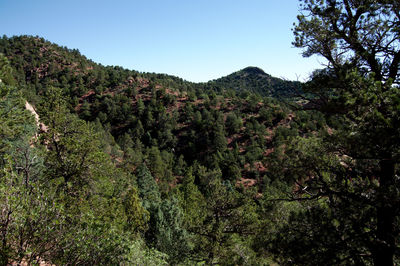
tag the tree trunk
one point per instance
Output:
(385, 240)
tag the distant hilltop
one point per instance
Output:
(255, 80)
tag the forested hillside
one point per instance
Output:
(130, 168)
(163, 156)
(189, 121)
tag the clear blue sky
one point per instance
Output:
(197, 40)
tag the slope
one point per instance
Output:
(222, 129)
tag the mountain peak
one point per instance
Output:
(254, 70)
(254, 79)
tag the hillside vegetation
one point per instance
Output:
(160, 156)
(130, 168)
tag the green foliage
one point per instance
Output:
(233, 123)
(137, 216)
(39, 222)
(347, 175)
(166, 231)
(140, 254)
(16, 124)
(148, 169)
(6, 72)
(170, 234)
(191, 201)
(73, 145)
(60, 197)
(147, 186)
(229, 221)
(30, 219)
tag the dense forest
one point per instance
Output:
(101, 165)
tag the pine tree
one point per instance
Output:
(166, 224)
(147, 186)
(191, 201)
(6, 71)
(137, 216)
(349, 174)
(229, 217)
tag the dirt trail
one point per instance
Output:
(42, 127)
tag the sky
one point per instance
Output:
(197, 40)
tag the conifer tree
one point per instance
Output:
(349, 175)
(147, 186)
(137, 216)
